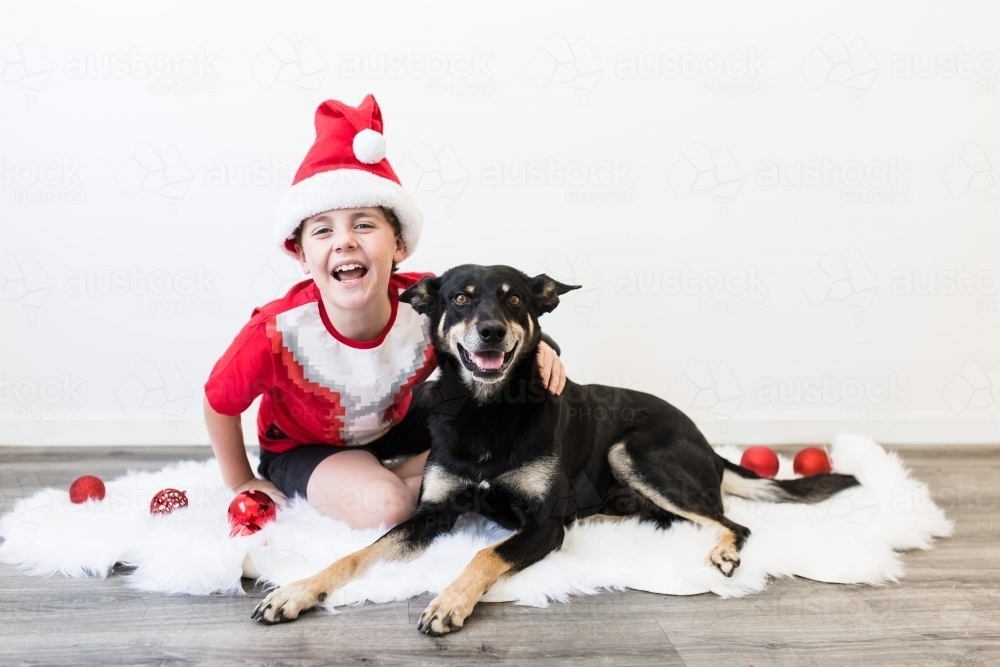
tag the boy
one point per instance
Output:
(338, 359)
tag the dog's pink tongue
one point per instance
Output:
(488, 361)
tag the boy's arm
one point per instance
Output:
(240, 375)
(226, 435)
(547, 339)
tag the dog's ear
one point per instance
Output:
(546, 292)
(422, 295)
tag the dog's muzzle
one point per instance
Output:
(487, 349)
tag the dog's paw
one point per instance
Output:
(445, 613)
(286, 603)
(726, 558)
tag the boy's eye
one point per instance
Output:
(514, 300)
(320, 230)
(461, 299)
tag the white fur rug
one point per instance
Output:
(854, 537)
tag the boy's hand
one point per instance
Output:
(551, 369)
(257, 484)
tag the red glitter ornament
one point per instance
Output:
(167, 500)
(84, 488)
(811, 461)
(250, 511)
(762, 460)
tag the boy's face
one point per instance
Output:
(349, 254)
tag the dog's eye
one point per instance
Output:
(514, 300)
(461, 299)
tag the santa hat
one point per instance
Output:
(346, 168)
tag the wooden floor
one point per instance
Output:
(946, 610)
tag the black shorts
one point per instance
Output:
(290, 471)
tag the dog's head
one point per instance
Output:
(486, 318)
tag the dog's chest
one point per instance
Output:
(530, 483)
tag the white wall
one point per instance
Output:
(874, 274)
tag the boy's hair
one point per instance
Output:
(390, 216)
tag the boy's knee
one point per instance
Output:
(389, 503)
(374, 502)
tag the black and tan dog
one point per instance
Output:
(504, 448)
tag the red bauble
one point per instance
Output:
(249, 511)
(167, 500)
(84, 488)
(811, 461)
(762, 460)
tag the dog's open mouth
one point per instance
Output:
(486, 362)
(348, 273)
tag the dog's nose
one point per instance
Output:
(491, 332)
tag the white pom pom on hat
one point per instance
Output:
(369, 146)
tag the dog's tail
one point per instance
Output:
(744, 483)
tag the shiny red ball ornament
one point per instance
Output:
(86, 488)
(811, 461)
(762, 460)
(250, 511)
(166, 501)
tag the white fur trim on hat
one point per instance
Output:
(369, 146)
(346, 188)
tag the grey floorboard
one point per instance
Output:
(945, 610)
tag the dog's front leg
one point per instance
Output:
(533, 542)
(405, 541)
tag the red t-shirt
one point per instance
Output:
(318, 386)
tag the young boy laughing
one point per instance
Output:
(338, 360)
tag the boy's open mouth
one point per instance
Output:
(350, 272)
(486, 362)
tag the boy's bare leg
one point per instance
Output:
(411, 472)
(354, 487)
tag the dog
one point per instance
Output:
(505, 448)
